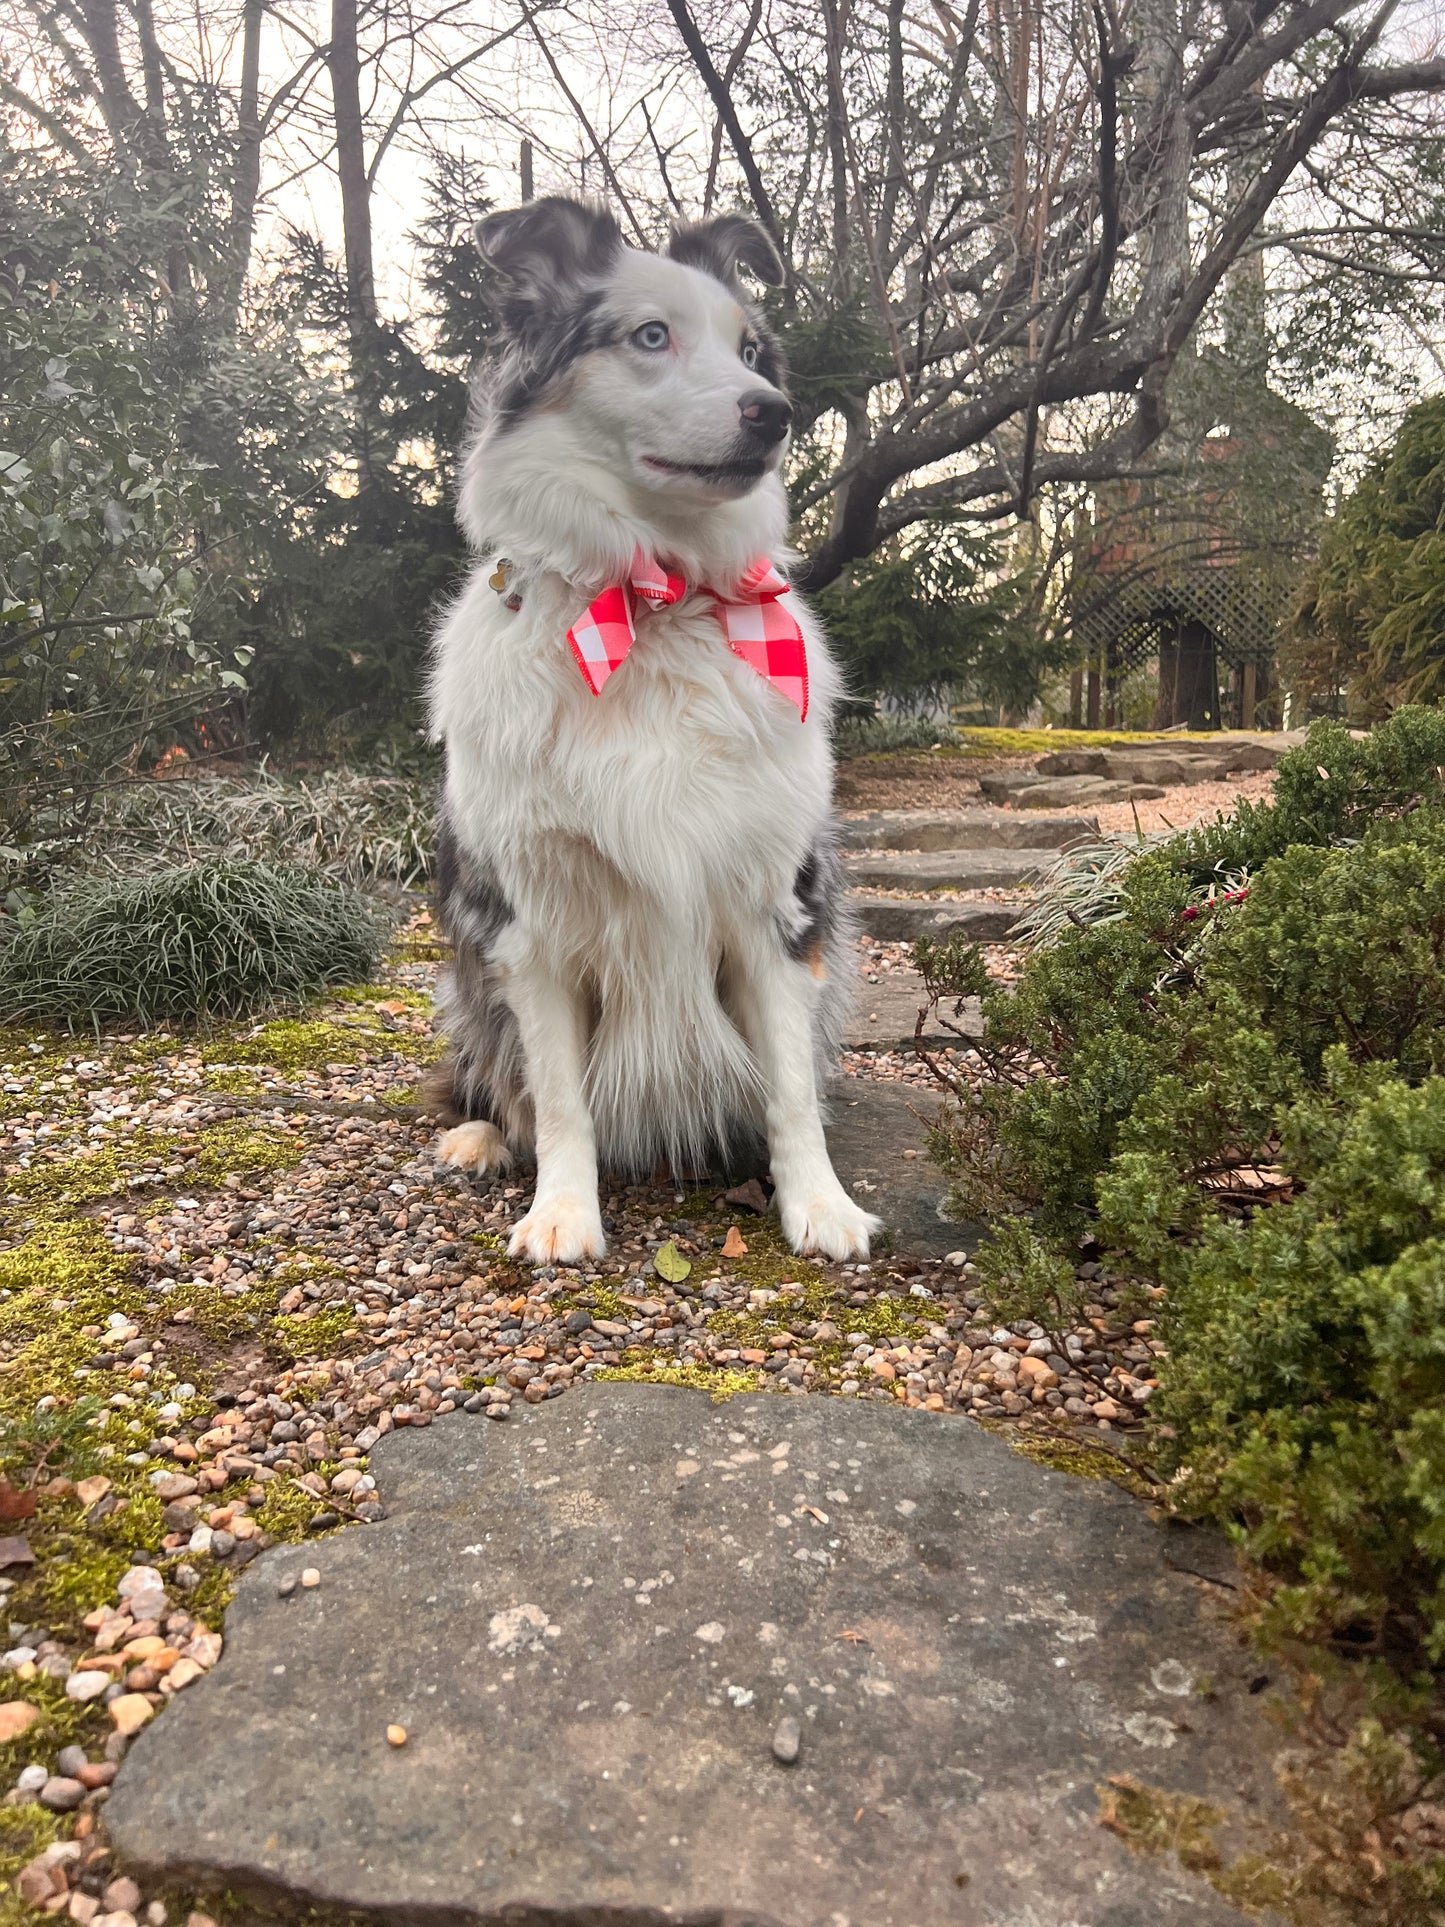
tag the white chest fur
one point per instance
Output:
(689, 784)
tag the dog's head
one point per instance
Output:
(659, 363)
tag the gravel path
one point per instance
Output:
(243, 1249)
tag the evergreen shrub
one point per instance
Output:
(1237, 1085)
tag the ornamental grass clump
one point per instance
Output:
(204, 940)
(1239, 1092)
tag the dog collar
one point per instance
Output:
(757, 627)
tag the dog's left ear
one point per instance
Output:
(720, 247)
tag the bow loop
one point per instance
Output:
(758, 629)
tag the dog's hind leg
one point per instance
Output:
(477, 1146)
(565, 1221)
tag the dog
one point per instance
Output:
(637, 866)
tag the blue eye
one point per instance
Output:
(750, 354)
(652, 336)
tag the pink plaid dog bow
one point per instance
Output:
(753, 620)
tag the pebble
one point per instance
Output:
(31, 1779)
(86, 1685)
(61, 1794)
(396, 1736)
(310, 1577)
(16, 1717)
(129, 1712)
(122, 1895)
(286, 1585)
(70, 1760)
(787, 1741)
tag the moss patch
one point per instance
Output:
(655, 1368)
(291, 1044)
(318, 1335)
(205, 1159)
(1150, 1821)
(24, 1832)
(1076, 1456)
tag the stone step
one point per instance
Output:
(603, 1627)
(946, 869)
(885, 1016)
(1027, 790)
(1166, 760)
(964, 830)
(906, 919)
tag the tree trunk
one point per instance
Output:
(246, 181)
(344, 64)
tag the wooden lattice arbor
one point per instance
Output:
(1195, 568)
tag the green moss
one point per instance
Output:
(1150, 1821)
(655, 1368)
(1042, 742)
(115, 1165)
(24, 1832)
(289, 1508)
(233, 1083)
(317, 1336)
(1073, 1455)
(64, 1276)
(402, 1097)
(291, 1044)
(62, 1722)
(235, 1146)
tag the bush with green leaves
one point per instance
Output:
(204, 940)
(1241, 1094)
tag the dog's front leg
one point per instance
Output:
(775, 997)
(565, 1221)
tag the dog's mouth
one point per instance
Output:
(715, 474)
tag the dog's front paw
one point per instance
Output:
(827, 1224)
(559, 1231)
(476, 1147)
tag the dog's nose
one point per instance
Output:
(765, 414)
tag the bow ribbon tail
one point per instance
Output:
(602, 636)
(766, 637)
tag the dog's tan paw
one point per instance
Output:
(475, 1147)
(828, 1225)
(559, 1231)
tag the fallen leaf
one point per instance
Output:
(751, 1196)
(14, 1504)
(670, 1264)
(853, 1638)
(813, 1513)
(1322, 773)
(15, 1552)
(733, 1245)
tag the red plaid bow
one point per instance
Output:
(757, 627)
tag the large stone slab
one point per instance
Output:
(905, 919)
(946, 869)
(964, 830)
(591, 1623)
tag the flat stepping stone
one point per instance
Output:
(1027, 790)
(904, 920)
(964, 830)
(1167, 761)
(594, 1623)
(885, 1015)
(947, 869)
(878, 1139)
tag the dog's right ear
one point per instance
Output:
(545, 253)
